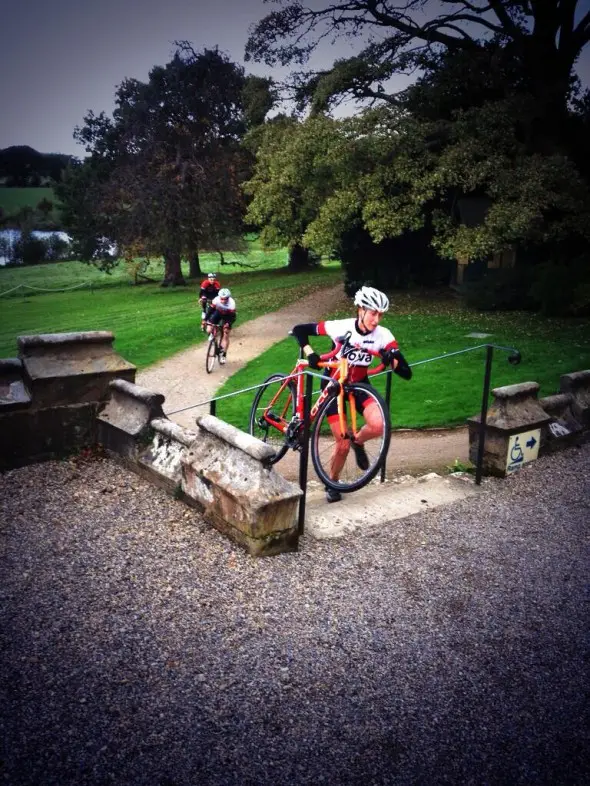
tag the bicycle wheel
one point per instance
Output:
(212, 355)
(351, 477)
(283, 409)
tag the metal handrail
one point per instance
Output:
(514, 358)
(211, 401)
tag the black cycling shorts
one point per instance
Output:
(361, 399)
(217, 318)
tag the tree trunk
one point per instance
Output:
(194, 266)
(172, 271)
(300, 258)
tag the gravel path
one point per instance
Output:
(140, 647)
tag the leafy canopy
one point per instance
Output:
(163, 173)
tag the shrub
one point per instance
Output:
(556, 287)
(563, 289)
(501, 290)
(395, 263)
(30, 250)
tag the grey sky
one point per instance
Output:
(60, 59)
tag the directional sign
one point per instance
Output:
(522, 448)
(558, 429)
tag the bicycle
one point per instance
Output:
(214, 350)
(276, 417)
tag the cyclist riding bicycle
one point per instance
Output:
(363, 333)
(208, 292)
(223, 313)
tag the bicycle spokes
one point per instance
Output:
(335, 460)
(271, 413)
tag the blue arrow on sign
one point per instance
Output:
(531, 443)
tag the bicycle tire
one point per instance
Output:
(285, 407)
(212, 355)
(352, 477)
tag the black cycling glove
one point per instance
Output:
(387, 355)
(313, 359)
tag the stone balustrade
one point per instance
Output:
(50, 394)
(217, 468)
(577, 384)
(520, 426)
(514, 411)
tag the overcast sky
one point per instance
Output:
(62, 58)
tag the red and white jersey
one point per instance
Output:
(354, 349)
(229, 307)
(209, 289)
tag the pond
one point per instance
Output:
(8, 238)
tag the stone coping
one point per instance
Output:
(174, 431)
(233, 436)
(555, 401)
(11, 366)
(520, 389)
(147, 397)
(577, 377)
(58, 339)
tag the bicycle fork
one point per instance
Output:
(345, 432)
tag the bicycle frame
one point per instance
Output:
(284, 423)
(340, 378)
(218, 331)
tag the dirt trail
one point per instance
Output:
(184, 382)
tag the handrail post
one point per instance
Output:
(304, 460)
(388, 403)
(484, 413)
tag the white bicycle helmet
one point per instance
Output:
(373, 299)
(223, 293)
(211, 276)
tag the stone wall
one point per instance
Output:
(50, 394)
(520, 426)
(216, 468)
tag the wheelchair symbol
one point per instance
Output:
(516, 453)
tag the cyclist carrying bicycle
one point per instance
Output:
(209, 290)
(222, 313)
(364, 335)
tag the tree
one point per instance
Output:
(290, 181)
(545, 38)
(163, 173)
(494, 114)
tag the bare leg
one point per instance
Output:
(225, 338)
(373, 424)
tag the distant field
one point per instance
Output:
(13, 199)
(35, 279)
(149, 322)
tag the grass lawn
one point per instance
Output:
(64, 275)
(443, 392)
(151, 323)
(13, 199)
